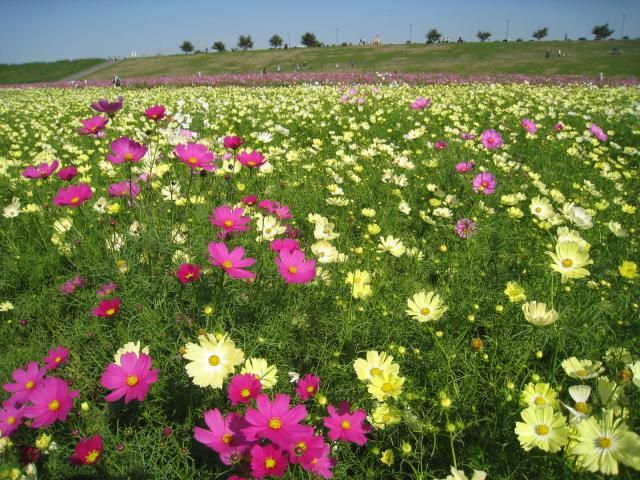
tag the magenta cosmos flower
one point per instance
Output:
(484, 183)
(26, 382)
(467, 136)
(440, 145)
(88, 451)
(253, 159)
(51, 401)
(287, 244)
(224, 435)
(345, 426)
(56, 357)
(465, 228)
(105, 106)
(126, 150)
(70, 286)
(421, 103)
(188, 272)
(308, 387)
(243, 388)
(464, 167)
(231, 262)
(73, 195)
(274, 420)
(558, 127)
(124, 189)
(156, 113)
(195, 155)
(107, 289)
(597, 132)
(232, 142)
(230, 220)
(294, 268)
(94, 126)
(10, 419)
(318, 462)
(131, 379)
(68, 173)
(491, 139)
(44, 170)
(529, 125)
(268, 461)
(107, 308)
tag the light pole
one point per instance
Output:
(507, 29)
(622, 29)
(410, 33)
(337, 41)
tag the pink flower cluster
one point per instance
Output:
(270, 437)
(70, 286)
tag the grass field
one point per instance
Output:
(44, 71)
(430, 232)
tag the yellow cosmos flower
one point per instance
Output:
(582, 369)
(569, 260)
(536, 313)
(515, 292)
(426, 306)
(212, 360)
(542, 428)
(376, 364)
(628, 269)
(384, 415)
(387, 385)
(539, 395)
(267, 374)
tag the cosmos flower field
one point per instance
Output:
(320, 281)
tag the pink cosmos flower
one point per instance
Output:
(188, 272)
(126, 150)
(224, 435)
(88, 451)
(294, 268)
(232, 142)
(467, 136)
(195, 155)
(230, 220)
(484, 183)
(51, 401)
(267, 205)
(421, 103)
(56, 357)
(558, 127)
(156, 112)
(464, 167)
(287, 244)
(491, 139)
(105, 106)
(73, 195)
(243, 388)
(249, 200)
(440, 145)
(305, 446)
(70, 286)
(465, 228)
(26, 382)
(598, 132)
(93, 126)
(253, 159)
(529, 125)
(283, 212)
(231, 262)
(131, 379)
(308, 387)
(268, 461)
(274, 420)
(107, 289)
(107, 308)
(44, 170)
(317, 461)
(10, 419)
(124, 189)
(68, 173)
(345, 426)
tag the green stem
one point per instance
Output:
(437, 341)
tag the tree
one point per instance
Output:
(309, 40)
(433, 35)
(540, 33)
(602, 31)
(245, 42)
(187, 46)
(219, 46)
(483, 35)
(275, 41)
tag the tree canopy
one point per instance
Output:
(433, 35)
(275, 41)
(483, 35)
(540, 33)
(601, 32)
(219, 46)
(309, 40)
(245, 42)
(187, 46)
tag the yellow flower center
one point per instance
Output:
(11, 420)
(92, 456)
(539, 401)
(57, 359)
(310, 389)
(485, 184)
(269, 463)
(192, 160)
(345, 425)
(188, 276)
(54, 405)
(604, 442)
(481, 188)
(74, 200)
(227, 264)
(386, 418)
(581, 373)
(132, 380)
(387, 387)
(251, 163)
(375, 372)
(245, 393)
(581, 407)
(128, 156)
(542, 430)
(425, 311)
(275, 423)
(228, 223)
(314, 461)
(293, 270)
(300, 448)
(214, 360)
(538, 209)
(567, 263)
(111, 311)
(29, 385)
(226, 438)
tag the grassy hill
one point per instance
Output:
(44, 71)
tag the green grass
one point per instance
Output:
(582, 58)
(318, 145)
(44, 71)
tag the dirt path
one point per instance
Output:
(88, 71)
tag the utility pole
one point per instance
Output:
(337, 39)
(622, 29)
(507, 29)
(410, 33)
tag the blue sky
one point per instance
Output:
(44, 30)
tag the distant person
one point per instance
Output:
(547, 54)
(286, 46)
(559, 53)
(297, 67)
(116, 81)
(278, 69)
(264, 71)
(460, 39)
(337, 65)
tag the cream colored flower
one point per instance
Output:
(536, 313)
(426, 306)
